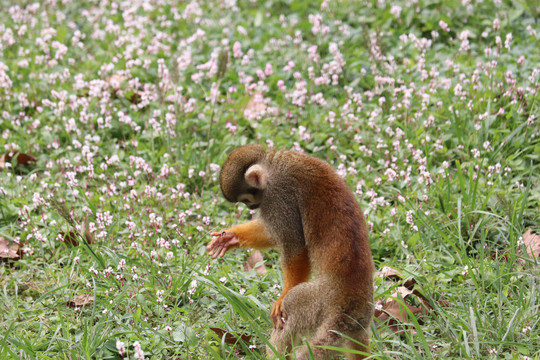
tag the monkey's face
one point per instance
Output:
(252, 197)
(241, 178)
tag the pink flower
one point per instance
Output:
(139, 353)
(495, 24)
(444, 26)
(237, 50)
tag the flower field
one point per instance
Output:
(115, 117)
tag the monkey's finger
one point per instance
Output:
(223, 251)
(217, 251)
(277, 322)
(211, 245)
(214, 248)
(215, 242)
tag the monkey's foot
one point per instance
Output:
(278, 314)
(223, 241)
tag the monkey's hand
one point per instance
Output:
(222, 243)
(278, 314)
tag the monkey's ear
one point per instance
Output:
(257, 176)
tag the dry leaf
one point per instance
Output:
(115, 81)
(426, 306)
(252, 260)
(230, 338)
(393, 312)
(423, 300)
(532, 244)
(69, 238)
(409, 284)
(134, 96)
(87, 234)
(89, 237)
(21, 159)
(502, 256)
(402, 291)
(390, 273)
(81, 300)
(9, 250)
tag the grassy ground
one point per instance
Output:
(115, 117)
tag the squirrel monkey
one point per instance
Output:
(308, 212)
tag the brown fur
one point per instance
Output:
(309, 213)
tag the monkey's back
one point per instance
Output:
(331, 225)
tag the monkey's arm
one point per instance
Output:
(249, 235)
(296, 270)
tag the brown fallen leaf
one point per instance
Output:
(9, 250)
(389, 273)
(426, 306)
(392, 274)
(395, 315)
(20, 159)
(134, 96)
(393, 312)
(402, 291)
(500, 255)
(81, 300)
(35, 286)
(230, 338)
(115, 81)
(409, 283)
(70, 237)
(252, 260)
(532, 244)
(87, 234)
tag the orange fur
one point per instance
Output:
(296, 271)
(252, 235)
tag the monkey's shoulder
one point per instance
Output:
(299, 165)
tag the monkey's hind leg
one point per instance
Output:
(326, 335)
(304, 306)
(361, 344)
(283, 341)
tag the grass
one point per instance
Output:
(428, 109)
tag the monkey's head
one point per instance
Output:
(244, 175)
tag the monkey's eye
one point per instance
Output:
(252, 191)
